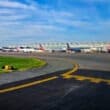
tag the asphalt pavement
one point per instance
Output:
(86, 88)
(53, 65)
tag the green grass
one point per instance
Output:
(20, 64)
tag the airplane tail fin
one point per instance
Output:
(68, 46)
(41, 47)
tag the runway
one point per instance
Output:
(78, 88)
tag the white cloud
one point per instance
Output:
(10, 4)
(95, 1)
(45, 16)
(6, 11)
(13, 17)
(34, 20)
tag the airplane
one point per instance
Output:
(59, 49)
(31, 49)
(39, 49)
(54, 48)
(82, 49)
(106, 49)
(8, 49)
(72, 49)
(25, 49)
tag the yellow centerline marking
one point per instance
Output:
(27, 84)
(91, 79)
(67, 75)
(70, 73)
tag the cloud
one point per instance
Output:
(96, 1)
(13, 17)
(32, 19)
(13, 4)
(6, 11)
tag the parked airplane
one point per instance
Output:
(65, 47)
(106, 49)
(8, 49)
(31, 49)
(73, 49)
(25, 49)
(78, 49)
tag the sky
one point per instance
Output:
(30, 21)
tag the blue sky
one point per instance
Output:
(29, 21)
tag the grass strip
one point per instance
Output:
(20, 64)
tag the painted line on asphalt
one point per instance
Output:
(27, 84)
(64, 75)
(91, 79)
(70, 73)
(67, 75)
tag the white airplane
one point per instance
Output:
(40, 49)
(31, 49)
(8, 49)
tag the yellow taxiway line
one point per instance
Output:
(91, 79)
(65, 75)
(70, 73)
(27, 84)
